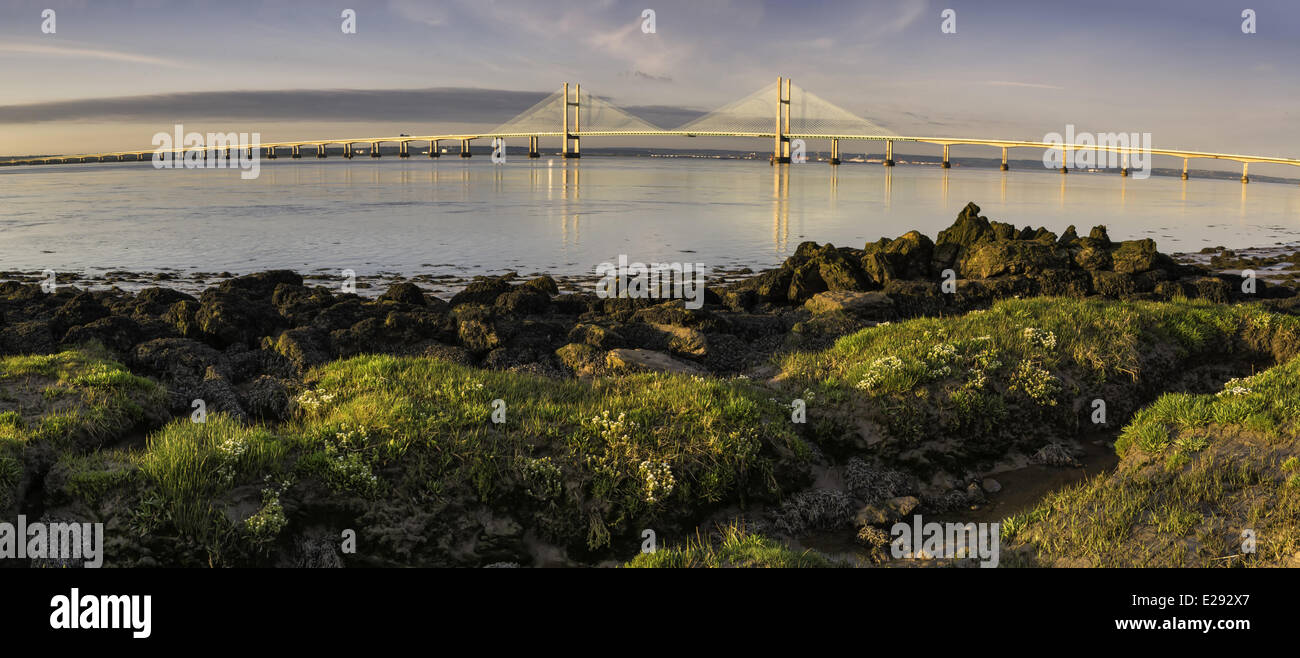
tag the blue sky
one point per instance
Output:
(1181, 70)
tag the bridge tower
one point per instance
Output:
(576, 152)
(781, 144)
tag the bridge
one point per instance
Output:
(774, 112)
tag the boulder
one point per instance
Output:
(404, 293)
(636, 360)
(874, 304)
(992, 259)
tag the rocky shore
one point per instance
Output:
(256, 349)
(243, 345)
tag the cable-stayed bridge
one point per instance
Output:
(782, 112)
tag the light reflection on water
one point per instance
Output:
(453, 215)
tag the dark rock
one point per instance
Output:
(404, 293)
(261, 284)
(483, 290)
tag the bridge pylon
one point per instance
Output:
(781, 143)
(576, 104)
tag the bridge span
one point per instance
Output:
(816, 120)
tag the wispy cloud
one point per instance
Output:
(1030, 85)
(87, 53)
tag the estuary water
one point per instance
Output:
(470, 216)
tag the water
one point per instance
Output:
(454, 216)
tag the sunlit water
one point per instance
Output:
(455, 216)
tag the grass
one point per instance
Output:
(377, 442)
(72, 401)
(735, 548)
(1197, 471)
(1013, 375)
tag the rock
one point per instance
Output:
(157, 301)
(523, 301)
(404, 293)
(584, 360)
(115, 332)
(595, 335)
(1069, 237)
(649, 361)
(1093, 258)
(992, 259)
(544, 284)
(181, 317)
(476, 331)
(304, 347)
(301, 305)
(856, 303)
(684, 341)
(887, 512)
(1136, 256)
(30, 337)
(910, 254)
(1099, 233)
(483, 290)
(267, 398)
(230, 318)
(968, 230)
(1211, 288)
(991, 486)
(84, 308)
(261, 284)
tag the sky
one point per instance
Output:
(114, 73)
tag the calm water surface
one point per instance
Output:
(456, 216)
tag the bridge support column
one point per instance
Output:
(270, 153)
(1245, 177)
(1005, 166)
(374, 150)
(1123, 169)
(464, 149)
(835, 151)
(1064, 169)
(433, 148)
(403, 150)
(889, 153)
(320, 150)
(781, 143)
(532, 147)
(347, 151)
(945, 164)
(297, 152)
(1184, 168)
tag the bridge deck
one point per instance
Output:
(998, 143)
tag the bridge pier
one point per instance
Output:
(532, 147)
(1005, 167)
(347, 151)
(320, 151)
(464, 149)
(945, 164)
(1245, 178)
(374, 150)
(889, 153)
(270, 153)
(1184, 168)
(403, 150)
(1064, 169)
(433, 148)
(297, 152)
(835, 151)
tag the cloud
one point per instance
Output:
(87, 53)
(488, 107)
(1031, 85)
